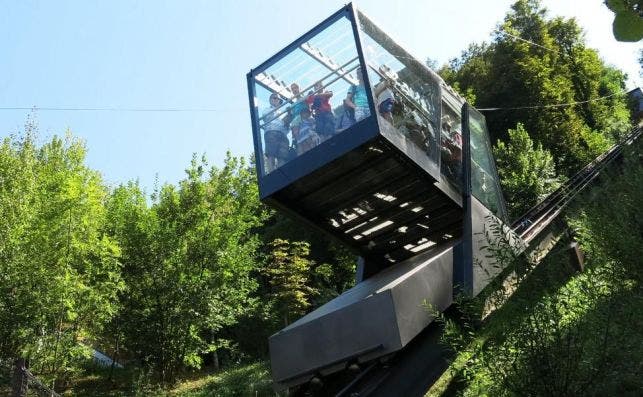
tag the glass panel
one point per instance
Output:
(484, 178)
(407, 97)
(451, 147)
(311, 94)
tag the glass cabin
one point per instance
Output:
(358, 138)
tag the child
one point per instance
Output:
(304, 133)
(385, 100)
(319, 102)
(384, 93)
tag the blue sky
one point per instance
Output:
(195, 54)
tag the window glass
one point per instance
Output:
(300, 100)
(484, 178)
(451, 146)
(406, 95)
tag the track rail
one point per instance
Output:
(529, 225)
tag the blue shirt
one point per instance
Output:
(359, 96)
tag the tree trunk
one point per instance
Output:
(215, 355)
(215, 360)
(111, 368)
(19, 383)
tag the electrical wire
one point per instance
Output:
(527, 41)
(557, 105)
(212, 110)
(398, 56)
(117, 109)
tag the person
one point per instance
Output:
(451, 148)
(384, 93)
(275, 136)
(346, 119)
(385, 99)
(357, 100)
(298, 102)
(304, 133)
(319, 103)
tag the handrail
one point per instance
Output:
(290, 100)
(538, 217)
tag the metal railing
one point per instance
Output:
(541, 215)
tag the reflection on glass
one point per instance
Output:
(484, 183)
(406, 96)
(311, 94)
(451, 146)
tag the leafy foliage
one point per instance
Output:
(287, 272)
(527, 174)
(59, 270)
(627, 25)
(187, 263)
(562, 332)
(533, 63)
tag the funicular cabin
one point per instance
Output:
(329, 153)
(361, 140)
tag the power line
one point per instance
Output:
(528, 41)
(558, 105)
(118, 109)
(201, 110)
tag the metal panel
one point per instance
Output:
(377, 317)
(485, 267)
(334, 148)
(423, 285)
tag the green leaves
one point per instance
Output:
(61, 273)
(527, 173)
(187, 261)
(533, 63)
(628, 21)
(287, 271)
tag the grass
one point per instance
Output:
(561, 333)
(247, 380)
(243, 380)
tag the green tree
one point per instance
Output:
(532, 65)
(59, 270)
(628, 19)
(333, 264)
(527, 173)
(187, 263)
(287, 271)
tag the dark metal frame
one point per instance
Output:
(327, 151)
(463, 255)
(501, 198)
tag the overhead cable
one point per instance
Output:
(118, 109)
(557, 105)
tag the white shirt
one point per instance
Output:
(272, 123)
(384, 95)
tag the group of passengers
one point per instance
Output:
(310, 120)
(451, 148)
